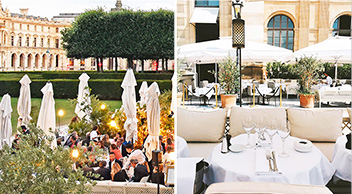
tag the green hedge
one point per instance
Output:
(107, 89)
(107, 75)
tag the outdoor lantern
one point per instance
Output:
(238, 36)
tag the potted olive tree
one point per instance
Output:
(228, 76)
(308, 69)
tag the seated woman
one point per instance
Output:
(117, 174)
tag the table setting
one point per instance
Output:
(269, 154)
(182, 148)
(342, 157)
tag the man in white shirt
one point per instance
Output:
(328, 79)
(134, 154)
(94, 133)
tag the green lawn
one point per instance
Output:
(64, 104)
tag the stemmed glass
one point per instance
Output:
(284, 132)
(272, 131)
(248, 125)
(260, 128)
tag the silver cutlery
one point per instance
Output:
(274, 160)
(269, 158)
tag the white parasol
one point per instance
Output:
(46, 117)
(5, 120)
(143, 92)
(153, 120)
(24, 101)
(174, 93)
(83, 99)
(129, 104)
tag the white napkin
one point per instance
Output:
(261, 163)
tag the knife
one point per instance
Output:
(274, 160)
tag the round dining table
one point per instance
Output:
(304, 168)
(342, 159)
(182, 148)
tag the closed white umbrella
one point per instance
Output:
(24, 101)
(153, 120)
(129, 104)
(46, 117)
(174, 93)
(5, 120)
(83, 99)
(143, 93)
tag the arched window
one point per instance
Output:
(342, 26)
(280, 32)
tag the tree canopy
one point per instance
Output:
(127, 34)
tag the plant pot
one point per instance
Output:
(228, 100)
(306, 100)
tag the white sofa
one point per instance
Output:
(107, 187)
(204, 129)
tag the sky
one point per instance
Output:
(50, 8)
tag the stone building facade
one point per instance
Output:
(298, 23)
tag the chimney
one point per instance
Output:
(24, 11)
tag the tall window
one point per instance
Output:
(207, 3)
(12, 40)
(57, 43)
(42, 42)
(280, 32)
(35, 42)
(48, 43)
(20, 41)
(342, 26)
(57, 30)
(27, 42)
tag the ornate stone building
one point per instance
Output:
(293, 24)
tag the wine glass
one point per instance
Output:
(272, 130)
(284, 132)
(261, 128)
(248, 125)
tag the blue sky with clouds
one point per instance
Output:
(50, 8)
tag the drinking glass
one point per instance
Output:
(261, 126)
(248, 125)
(272, 130)
(284, 132)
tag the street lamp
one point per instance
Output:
(238, 37)
(103, 106)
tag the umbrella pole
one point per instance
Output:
(216, 95)
(183, 94)
(335, 72)
(280, 96)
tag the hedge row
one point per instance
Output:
(107, 89)
(108, 75)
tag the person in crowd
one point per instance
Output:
(15, 143)
(154, 176)
(118, 136)
(86, 141)
(328, 79)
(134, 154)
(146, 164)
(68, 141)
(101, 145)
(25, 131)
(113, 160)
(116, 151)
(91, 161)
(170, 143)
(161, 144)
(106, 141)
(103, 172)
(117, 174)
(94, 133)
(140, 170)
(74, 141)
(121, 147)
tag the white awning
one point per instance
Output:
(204, 15)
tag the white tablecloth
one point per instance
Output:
(186, 173)
(182, 148)
(200, 91)
(311, 168)
(342, 159)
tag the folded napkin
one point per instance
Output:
(261, 163)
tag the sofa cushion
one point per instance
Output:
(315, 124)
(201, 125)
(202, 150)
(239, 113)
(326, 147)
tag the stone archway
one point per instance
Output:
(13, 61)
(44, 58)
(37, 60)
(57, 57)
(29, 61)
(22, 61)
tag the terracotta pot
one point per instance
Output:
(228, 100)
(307, 100)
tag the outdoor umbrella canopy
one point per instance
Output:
(5, 120)
(24, 101)
(143, 93)
(216, 51)
(334, 50)
(129, 104)
(83, 98)
(46, 117)
(153, 120)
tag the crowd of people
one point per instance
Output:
(125, 162)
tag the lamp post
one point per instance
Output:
(238, 37)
